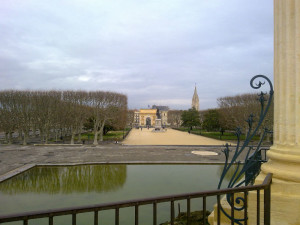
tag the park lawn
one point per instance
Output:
(109, 136)
(216, 135)
(113, 136)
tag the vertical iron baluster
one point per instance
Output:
(188, 210)
(219, 210)
(136, 213)
(267, 205)
(258, 208)
(172, 212)
(117, 216)
(154, 213)
(204, 210)
(246, 207)
(50, 220)
(74, 218)
(95, 217)
(25, 222)
(232, 208)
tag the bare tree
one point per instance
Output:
(235, 110)
(51, 112)
(105, 106)
(25, 113)
(8, 116)
(75, 102)
(130, 117)
(174, 118)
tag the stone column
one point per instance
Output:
(284, 155)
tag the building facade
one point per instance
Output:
(147, 117)
(136, 118)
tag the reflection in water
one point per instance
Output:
(52, 180)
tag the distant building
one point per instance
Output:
(147, 117)
(161, 107)
(136, 118)
(195, 100)
(163, 110)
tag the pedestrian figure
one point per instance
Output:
(189, 131)
(141, 128)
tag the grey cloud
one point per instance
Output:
(150, 50)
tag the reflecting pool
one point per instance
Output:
(44, 188)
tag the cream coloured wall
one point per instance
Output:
(147, 113)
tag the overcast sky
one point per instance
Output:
(154, 51)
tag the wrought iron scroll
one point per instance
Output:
(245, 173)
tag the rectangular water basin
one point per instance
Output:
(53, 187)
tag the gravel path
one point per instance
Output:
(169, 137)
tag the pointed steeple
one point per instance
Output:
(195, 100)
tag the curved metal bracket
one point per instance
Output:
(244, 174)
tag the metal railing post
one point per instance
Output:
(267, 205)
(95, 217)
(136, 213)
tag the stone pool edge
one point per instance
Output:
(16, 171)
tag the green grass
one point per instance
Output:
(113, 135)
(230, 136)
(109, 136)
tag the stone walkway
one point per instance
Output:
(170, 147)
(14, 157)
(170, 137)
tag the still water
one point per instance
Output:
(44, 188)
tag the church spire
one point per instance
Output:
(195, 100)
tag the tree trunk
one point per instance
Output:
(25, 138)
(101, 131)
(6, 137)
(95, 133)
(46, 137)
(101, 135)
(41, 135)
(56, 135)
(95, 138)
(34, 131)
(72, 136)
(20, 135)
(79, 133)
(10, 138)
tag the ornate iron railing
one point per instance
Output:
(74, 211)
(245, 173)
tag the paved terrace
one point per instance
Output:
(17, 158)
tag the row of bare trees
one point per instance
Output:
(235, 110)
(54, 114)
(174, 118)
